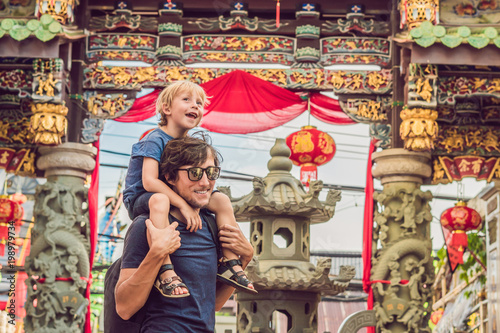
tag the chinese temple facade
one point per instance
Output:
(431, 97)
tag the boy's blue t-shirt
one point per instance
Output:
(196, 263)
(152, 145)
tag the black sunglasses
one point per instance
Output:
(196, 173)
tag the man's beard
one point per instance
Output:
(195, 204)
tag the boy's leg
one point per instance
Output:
(159, 208)
(220, 204)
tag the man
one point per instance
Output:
(195, 261)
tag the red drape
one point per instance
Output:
(143, 108)
(368, 233)
(243, 103)
(328, 110)
(93, 207)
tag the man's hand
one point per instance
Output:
(232, 238)
(163, 241)
(193, 220)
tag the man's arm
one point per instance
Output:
(232, 238)
(134, 284)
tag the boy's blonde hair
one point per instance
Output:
(167, 96)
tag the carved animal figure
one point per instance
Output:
(254, 44)
(453, 141)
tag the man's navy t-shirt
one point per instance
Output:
(196, 263)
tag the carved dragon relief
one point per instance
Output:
(403, 267)
(59, 258)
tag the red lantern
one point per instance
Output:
(310, 148)
(459, 220)
(436, 315)
(10, 211)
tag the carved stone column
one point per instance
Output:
(58, 265)
(402, 270)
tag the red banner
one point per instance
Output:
(477, 167)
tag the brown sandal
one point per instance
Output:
(166, 287)
(238, 280)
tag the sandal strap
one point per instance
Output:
(172, 286)
(164, 268)
(169, 280)
(231, 263)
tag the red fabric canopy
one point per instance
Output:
(143, 108)
(328, 110)
(242, 103)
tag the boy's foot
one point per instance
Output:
(169, 284)
(230, 272)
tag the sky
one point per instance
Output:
(248, 154)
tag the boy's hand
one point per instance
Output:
(193, 220)
(166, 240)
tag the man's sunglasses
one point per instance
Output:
(196, 173)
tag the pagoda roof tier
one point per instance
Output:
(299, 276)
(279, 193)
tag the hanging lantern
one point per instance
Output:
(310, 148)
(459, 220)
(436, 315)
(10, 211)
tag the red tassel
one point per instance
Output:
(277, 13)
(459, 239)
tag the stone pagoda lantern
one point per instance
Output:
(280, 212)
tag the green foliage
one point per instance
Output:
(441, 255)
(477, 245)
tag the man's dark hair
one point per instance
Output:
(190, 150)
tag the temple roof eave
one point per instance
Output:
(316, 216)
(299, 276)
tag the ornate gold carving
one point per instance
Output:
(46, 87)
(438, 174)
(371, 110)
(48, 123)
(28, 166)
(376, 80)
(419, 128)
(337, 79)
(15, 131)
(61, 10)
(424, 89)
(102, 104)
(417, 11)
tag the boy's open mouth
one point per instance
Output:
(193, 115)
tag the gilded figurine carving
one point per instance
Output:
(48, 123)
(47, 87)
(419, 128)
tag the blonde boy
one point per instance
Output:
(180, 107)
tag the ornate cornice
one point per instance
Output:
(133, 78)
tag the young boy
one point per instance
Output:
(180, 106)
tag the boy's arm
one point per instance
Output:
(153, 184)
(232, 238)
(134, 284)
